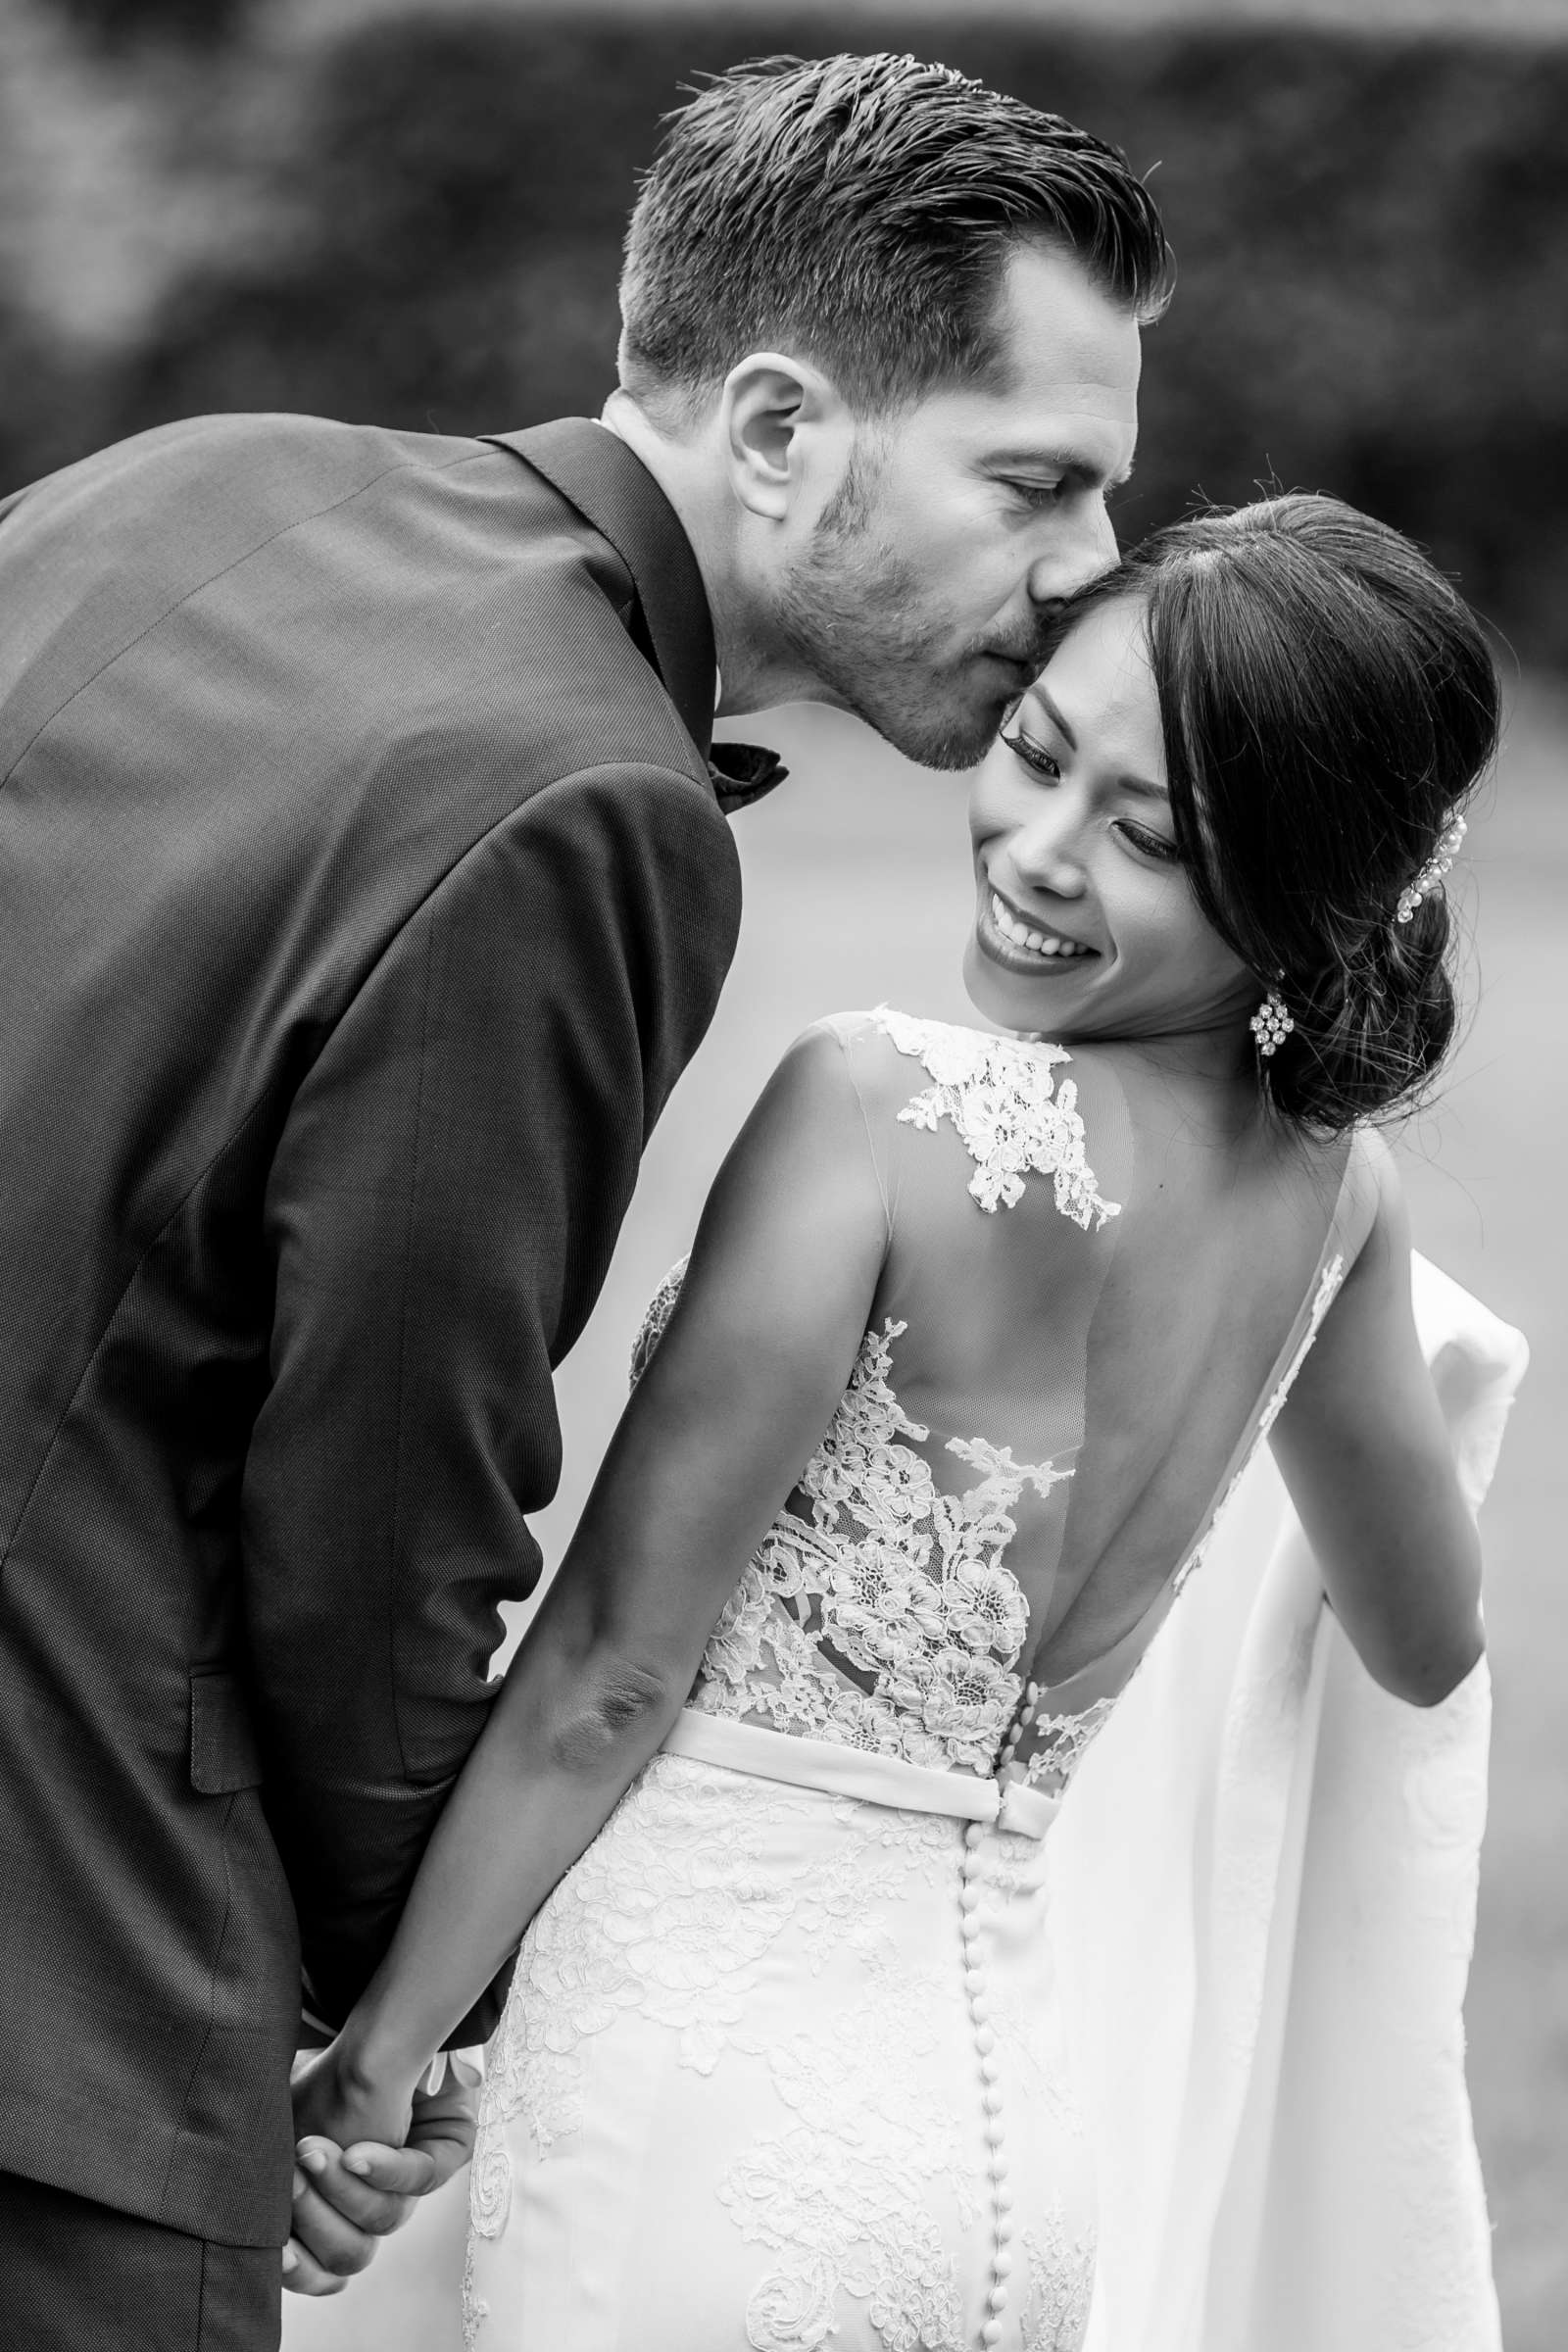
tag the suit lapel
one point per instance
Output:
(615, 491)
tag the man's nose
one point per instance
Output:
(1075, 558)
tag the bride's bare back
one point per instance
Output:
(1094, 1284)
(1136, 1347)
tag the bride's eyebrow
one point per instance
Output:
(1054, 716)
(1144, 786)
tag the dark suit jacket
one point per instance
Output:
(362, 893)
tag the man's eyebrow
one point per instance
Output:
(1070, 463)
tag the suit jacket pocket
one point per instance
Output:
(223, 1754)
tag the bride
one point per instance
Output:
(979, 1329)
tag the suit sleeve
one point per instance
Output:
(441, 1210)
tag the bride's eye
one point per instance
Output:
(1151, 844)
(1033, 754)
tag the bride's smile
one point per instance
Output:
(1085, 922)
(1007, 933)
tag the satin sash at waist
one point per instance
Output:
(843, 1771)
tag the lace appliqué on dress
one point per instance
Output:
(1010, 1113)
(1328, 1287)
(839, 2196)
(906, 1585)
(1065, 1741)
(667, 1915)
(660, 1306)
(1061, 2287)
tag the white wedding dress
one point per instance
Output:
(786, 2062)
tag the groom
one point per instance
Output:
(366, 889)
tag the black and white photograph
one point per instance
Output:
(783, 837)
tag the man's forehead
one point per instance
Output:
(1065, 343)
(1064, 394)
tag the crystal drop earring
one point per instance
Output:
(1271, 1024)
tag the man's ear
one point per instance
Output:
(786, 433)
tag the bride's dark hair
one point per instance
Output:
(1328, 703)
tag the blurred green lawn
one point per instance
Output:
(858, 890)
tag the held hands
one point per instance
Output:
(367, 2150)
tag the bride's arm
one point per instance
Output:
(734, 1401)
(1365, 1453)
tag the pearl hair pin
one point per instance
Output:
(1432, 873)
(1271, 1024)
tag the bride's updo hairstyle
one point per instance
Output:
(1329, 703)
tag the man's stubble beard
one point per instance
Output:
(851, 609)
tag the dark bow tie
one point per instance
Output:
(743, 773)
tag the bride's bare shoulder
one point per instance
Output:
(906, 1067)
(1374, 1194)
(876, 1052)
(825, 1083)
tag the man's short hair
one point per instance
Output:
(857, 212)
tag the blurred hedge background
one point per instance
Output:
(415, 217)
(412, 212)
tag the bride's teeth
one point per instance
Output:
(1037, 943)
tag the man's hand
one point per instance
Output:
(347, 2198)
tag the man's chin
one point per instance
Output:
(936, 736)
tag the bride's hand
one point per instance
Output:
(337, 2097)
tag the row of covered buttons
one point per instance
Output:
(977, 1986)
